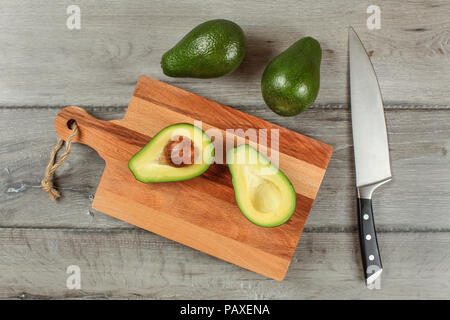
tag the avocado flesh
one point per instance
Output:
(149, 165)
(291, 81)
(263, 193)
(212, 49)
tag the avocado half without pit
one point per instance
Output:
(177, 152)
(263, 193)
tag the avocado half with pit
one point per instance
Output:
(177, 152)
(263, 193)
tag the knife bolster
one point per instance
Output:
(365, 192)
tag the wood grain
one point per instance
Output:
(419, 142)
(121, 262)
(200, 213)
(46, 67)
(43, 63)
(136, 264)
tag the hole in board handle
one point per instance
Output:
(70, 123)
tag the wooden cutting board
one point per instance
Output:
(200, 213)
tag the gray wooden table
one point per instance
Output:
(44, 66)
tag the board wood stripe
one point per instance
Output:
(299, 146)
(215, 183)
(228, 221)
(126, 137)
(153, 117)
(209, 242)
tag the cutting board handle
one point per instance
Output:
(106, 137)
(84, 121)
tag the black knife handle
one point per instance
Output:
(368, 238)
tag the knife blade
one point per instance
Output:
(371, 149)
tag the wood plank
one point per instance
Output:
(43, 63)
(417, 199)
(137, 264)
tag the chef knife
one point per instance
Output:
(371, 149)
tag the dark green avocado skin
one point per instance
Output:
(291, 81)
(212, 49)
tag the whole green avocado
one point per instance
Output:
(291, 81)
(212, 49)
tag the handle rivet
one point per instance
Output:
(368, 237)
(371, 257)
(366, 217)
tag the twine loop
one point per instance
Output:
(47, 183)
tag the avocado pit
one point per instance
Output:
(179, 152)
